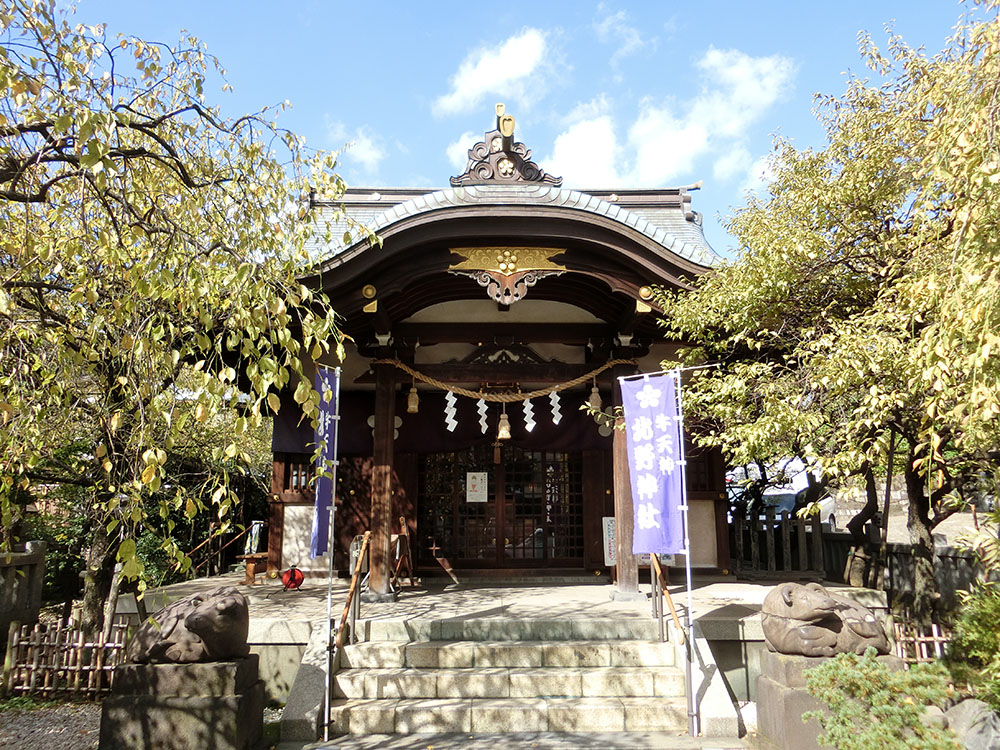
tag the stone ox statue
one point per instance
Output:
(210, 626)
(810, 621)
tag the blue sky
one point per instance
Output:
(607, 95)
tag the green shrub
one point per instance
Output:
(974, 653)
(24, 703)
(871, 707)
(63, 531)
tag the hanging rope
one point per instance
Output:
(501, 398)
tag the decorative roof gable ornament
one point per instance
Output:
(498, 159)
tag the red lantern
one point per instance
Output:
(292, 578)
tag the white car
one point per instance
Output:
(788, 497)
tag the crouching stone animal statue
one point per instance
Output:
(210, 626)
(810, 621)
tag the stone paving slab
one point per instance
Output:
(583, 605)
(528, 740)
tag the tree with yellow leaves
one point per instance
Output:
(865, 299)
(149, 261)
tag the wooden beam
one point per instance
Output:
(381, 513)
(631, 318)
(460, 372)
(627, 573)
(276, 514)
(513, 333)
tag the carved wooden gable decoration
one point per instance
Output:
(506, 272)
(498, 159)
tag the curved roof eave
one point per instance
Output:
(527, 195)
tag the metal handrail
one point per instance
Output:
(661, 594)
(219, 551)
(349, 609)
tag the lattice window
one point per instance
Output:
(299, 473)
(542, 509)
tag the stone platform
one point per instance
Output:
(217, 705)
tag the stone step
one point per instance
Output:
(512, 682)
(464, 654)
(509, 629)
(417, 715)
(533, 740)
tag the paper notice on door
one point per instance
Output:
(476, 483)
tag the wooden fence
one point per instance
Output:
(785, 547)
(917, 645)
(955, 569)
(49, 660)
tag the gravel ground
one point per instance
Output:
(74, 726)
(66, 726)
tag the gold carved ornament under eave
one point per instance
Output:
(506, 272)
(506, 260)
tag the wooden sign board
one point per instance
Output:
(476, 484)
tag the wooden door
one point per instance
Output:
(532, 515)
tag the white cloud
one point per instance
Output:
(665, 146)
(587, 154)
(613, 28)
(505, 70)
(458, 151)
(366, 150)
(362, 147)
(667, 140)
(744, 88)
(591, 110)
(758, 175)
(733, 162)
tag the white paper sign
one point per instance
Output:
(610, 542)
(611, 547)
(476, 483)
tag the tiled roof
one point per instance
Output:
(662, 215)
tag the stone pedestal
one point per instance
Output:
(782, 699)
(218, 705)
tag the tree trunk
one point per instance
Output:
(863, 558)
(97, 577)
(857, 524)
(918, 522)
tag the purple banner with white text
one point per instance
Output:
(653, 436)
(327, 382)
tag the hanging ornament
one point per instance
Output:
(503, 428)
(595, 398)
(450, 422)
(529, 415)
(481, 406)
(605, 421)
(413, 400)
(556, 412)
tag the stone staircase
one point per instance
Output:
(503, 675)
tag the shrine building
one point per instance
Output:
(491, 312)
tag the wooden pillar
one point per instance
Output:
(381, 514)
(276, 516)
(627, 569)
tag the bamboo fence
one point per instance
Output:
(920, 644)
(57, 659)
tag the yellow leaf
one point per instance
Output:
(274, 402)
(200, 413)
(148, 473)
